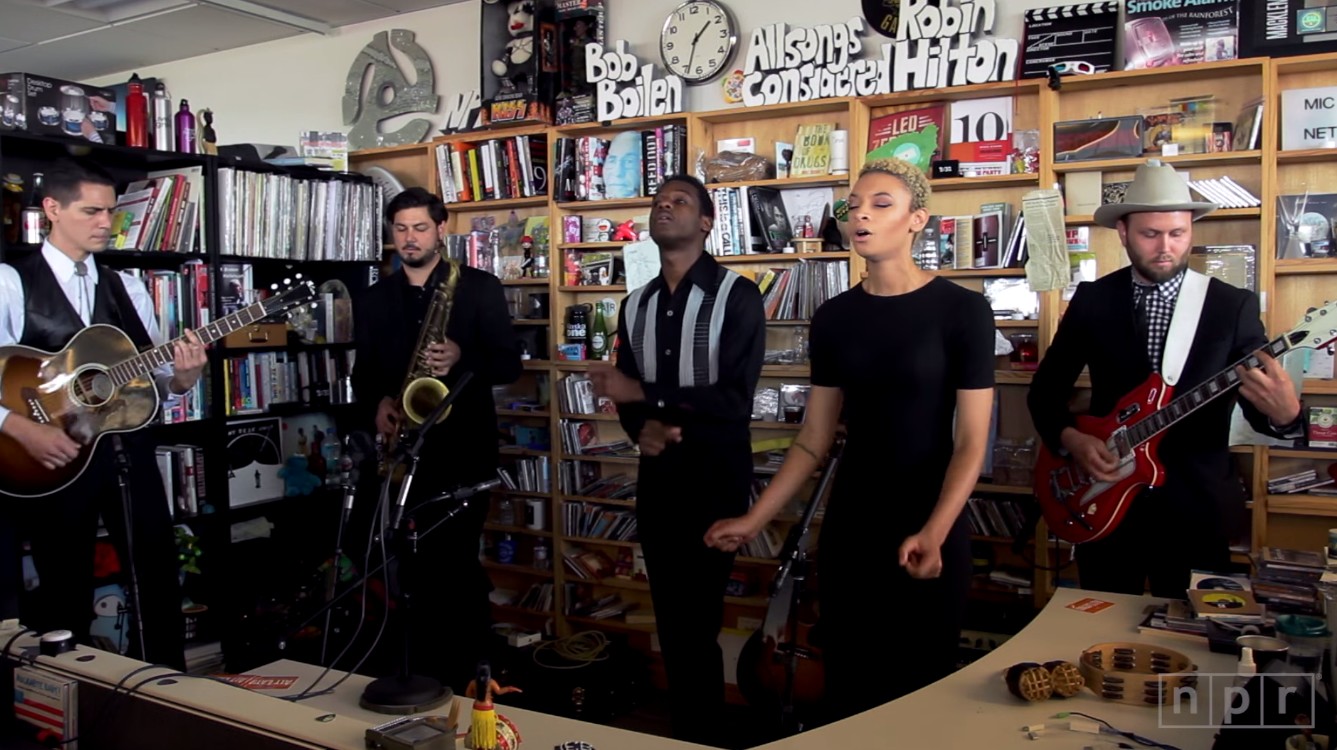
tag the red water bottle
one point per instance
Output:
(136, 114)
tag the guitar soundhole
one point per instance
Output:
(93, 388)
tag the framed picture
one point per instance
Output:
(770, 219)
(254, 456)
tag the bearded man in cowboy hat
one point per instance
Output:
(1158, 315)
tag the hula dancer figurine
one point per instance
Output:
(483, 727)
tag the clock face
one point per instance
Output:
(697, 40)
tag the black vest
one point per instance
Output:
(49, 321)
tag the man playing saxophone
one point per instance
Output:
(450, 615)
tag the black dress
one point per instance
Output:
(899, 361)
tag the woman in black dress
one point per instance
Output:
(905, 360)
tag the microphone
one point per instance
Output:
(477, 489)
(403, 497)
(416, 447)
(348, 500)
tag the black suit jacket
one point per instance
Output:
(463, 448)
(1099, 332)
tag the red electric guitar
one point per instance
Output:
(1077, 507)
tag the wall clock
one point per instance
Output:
(698, 40)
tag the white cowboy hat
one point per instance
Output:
(1156, 187)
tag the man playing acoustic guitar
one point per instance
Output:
(46, 297)
(1120, 327)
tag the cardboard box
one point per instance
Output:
(519, 62)
(50, 106)
(259, 334)
(579, 22)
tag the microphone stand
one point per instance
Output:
(332, 578)
(462, 495)
(123, 483)
(793, 573)
(406, 692)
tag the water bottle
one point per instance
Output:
(506, 550)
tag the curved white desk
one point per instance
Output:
(969, 709)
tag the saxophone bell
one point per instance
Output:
(422, 392)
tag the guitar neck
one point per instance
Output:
(1202, 394)
(142, 364)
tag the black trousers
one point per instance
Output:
(62, 531)
(678, 496)
(883, 640)
(449, 617)
(1160, 541)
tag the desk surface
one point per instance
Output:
(970, 708)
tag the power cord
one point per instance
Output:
(310, 691)
(1111, 729)
(579, 650)
(10, 643)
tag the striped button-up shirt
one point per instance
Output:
(696, 350)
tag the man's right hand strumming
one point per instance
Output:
(48, 445)
(387, 417)
(1091, 454)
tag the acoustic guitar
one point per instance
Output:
(1077, 507)
(97, 385)
(780, 666)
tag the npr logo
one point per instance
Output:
(1216, 701)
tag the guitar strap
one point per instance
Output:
(1183, 325)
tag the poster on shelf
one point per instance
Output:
(1160, 33)
(1308, 118)
(1282, 28)
(254, 455)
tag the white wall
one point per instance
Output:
(268, 93)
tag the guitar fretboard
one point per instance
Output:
(1201, 395)
(144, 363)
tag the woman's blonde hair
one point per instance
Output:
(912, 176)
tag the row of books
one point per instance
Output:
(996, 518)
(160, 213)
(253, 383)
(183, 478)
(632, 164)
(180, 303)
(494, 169)
(795, 292)
(580, 437)
(575, 395)
(539, 598)
(1308, 480)
(594, 521)
(180, 298)
(612, 487)
(527, 474)
(988, 239)
(586, 564)
(294, 218)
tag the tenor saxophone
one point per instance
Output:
(422, 392)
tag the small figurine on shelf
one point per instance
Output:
(625, 232)
(527, 267)
(208, 136)
(483, 729)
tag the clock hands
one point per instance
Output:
(695, 39)
(699, 33)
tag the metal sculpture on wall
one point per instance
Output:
(390, 94)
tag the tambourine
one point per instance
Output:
(1136, 673)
